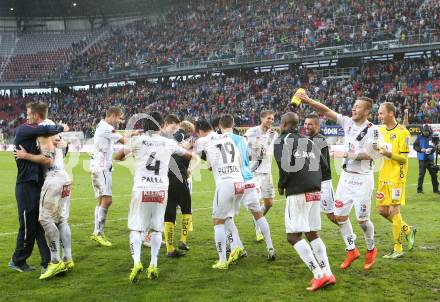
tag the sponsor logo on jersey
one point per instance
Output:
(380, 196)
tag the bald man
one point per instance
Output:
(298, 160)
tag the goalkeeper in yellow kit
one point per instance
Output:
(394, 147)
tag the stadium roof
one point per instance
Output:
(78, 8)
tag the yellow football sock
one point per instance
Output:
(169, 232)
(406, 228)
(397, 232)
(186, 225)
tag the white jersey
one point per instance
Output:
(358, 139)
(260, 146)
(222, 155)
(152, 154)
(57, 167)
(103, 141)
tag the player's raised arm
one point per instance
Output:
(320, 108)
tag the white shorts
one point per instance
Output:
(265, 184)
(354, 189)
(302, 213)
(55, 200)
(227, 195)
(250, 199)
(102, 183)
(147, 210)
(327, 197)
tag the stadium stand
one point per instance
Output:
(410, 83)
(29, 56)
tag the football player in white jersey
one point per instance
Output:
(152, 153)
(356, 183)
(101, 169)
(250, 197)
(54, 202)
(224, 160)
(260, 141)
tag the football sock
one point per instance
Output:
(368, 229)
(263, 209)
(305, 253)
(397, 228)
(135, 246)
(347, 234)
(257, 228)
(231, 228)
(320, 252)
(102, 215)
(169, 233)
(96, 231)
(186, 225)
(52, 235)
(265, 230)
(66, 240)
(220, 241)
(406, 229)
(156, 241)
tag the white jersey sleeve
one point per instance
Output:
(343, 121)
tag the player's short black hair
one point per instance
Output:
(154, 122)
(203, 125)
(226, 121)
(313, 117)
(215, 122)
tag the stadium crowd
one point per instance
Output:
(210, 30)
(410, 84)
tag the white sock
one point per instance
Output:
(231, 228)
(368, 229)
(257, 228)
(96, 231)
(220, 241)
(66, 240)
(52, 235)
(305, 252)
(347, 234)
(102, 215)
(265, 230)
(135, 246)
(263, 208)
(320, 252)
(156, 242)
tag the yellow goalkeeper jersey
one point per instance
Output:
(395, 140)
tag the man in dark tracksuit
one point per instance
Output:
(30, 179)
(298, 160)
(425, 154)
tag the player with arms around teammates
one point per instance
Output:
(224, 159)
(355, 187)
(260, 142)
(55, 203)
(101, 169)
(394, 147)
(152, 153)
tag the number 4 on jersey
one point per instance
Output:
(153, 164)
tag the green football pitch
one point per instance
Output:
(101, 274)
